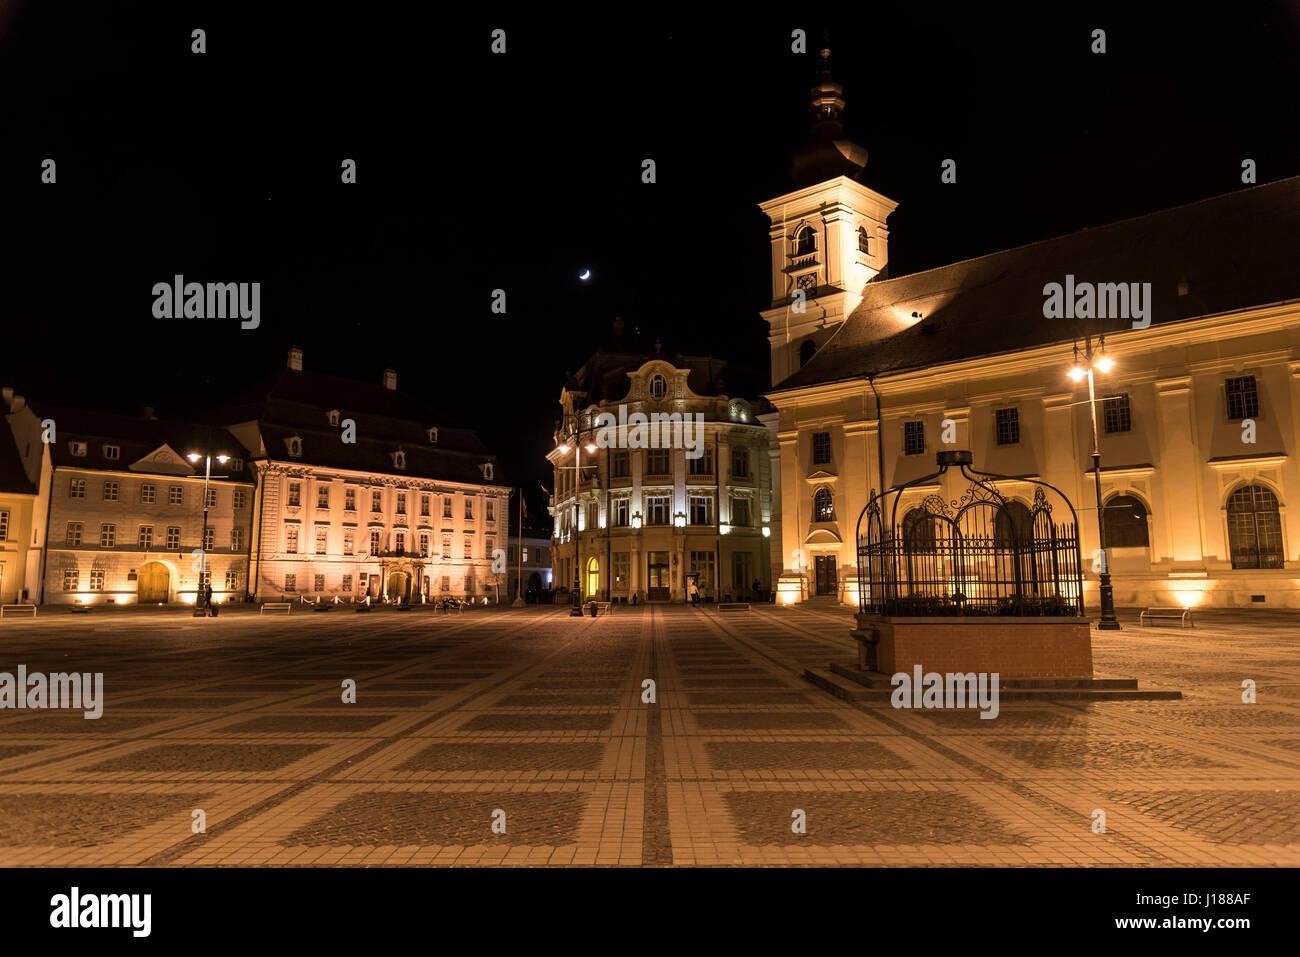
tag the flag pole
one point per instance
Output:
(519, 557)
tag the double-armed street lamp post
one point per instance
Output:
(1083, 366)
(201, 598)
(576, 448)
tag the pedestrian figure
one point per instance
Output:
(693, 590)
(207, 600)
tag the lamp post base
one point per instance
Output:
(1108, 620)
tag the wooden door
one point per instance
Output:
(152, 584)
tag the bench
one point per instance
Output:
(1181, 615)
(79, 610)
(726, 607)
(602, 607)
(23, 607)
(285, 606)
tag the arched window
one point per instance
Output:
(1254, 528)
(864, 241)
(805, 241)
(1126, 523)
(593, 577)
(806, 351)
(658, 387)
(1014, 527)
(823, 506)
(918, 531)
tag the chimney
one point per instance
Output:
(295, 359)
(7, 396)
(390, 380)
(148, 413)
(18, 404)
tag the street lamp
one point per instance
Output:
(1083, 368)
(201, 597)
(564, 449)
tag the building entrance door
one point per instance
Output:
(828, 580)
(658, 586)
(152, 583)
(399, 586)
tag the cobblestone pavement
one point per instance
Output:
(521, 737)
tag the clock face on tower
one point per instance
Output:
(808, 282)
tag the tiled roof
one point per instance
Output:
(604, 376)
(13, 477)
(296, 403)
(1232, 251)
(136, 438)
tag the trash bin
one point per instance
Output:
(591, 608)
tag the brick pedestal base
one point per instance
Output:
(1013, 647)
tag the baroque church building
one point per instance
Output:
(1197, 401)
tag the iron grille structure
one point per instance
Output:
(979, 554)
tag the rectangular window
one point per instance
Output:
(1243, 398)
(209, 539)
(424, 505)
(236, 539)
(291, 539)
(657, 506)
(74, 534)
(622, 512)
(290, 582)
(77, 488)
(446, 583)
(1117, 414)
(913, 438)
(295, 494)
(701, 565)
(322, 540)
(148, 494)
(322, 496)
(469, 548)
(70, 579)
(173, 537)
(241, 498)
(401, 503)
(374, 542)
(740, 463)
(620, 464)
(399, 542)
(205, 579)
(658, 462)
(490, 514)
(97, 579)
(701, 509)
(112, 452)
(107, 536)
(145, 539)
(821, 448)
(110, 491)
(488, 544)
(469, 510)
(702, 465)
(346, 584)
(350, 499)
(232, 580)
(446, 546)
(622, 569)
(469, 583)
(1008, 426)
(446, 506)
(4, 526)
(349, 542)
(424, 544)
(740, 511)
(175, 495)
(319, 583)
(210, 498)
(376, 502)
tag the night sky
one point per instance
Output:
(478, 172)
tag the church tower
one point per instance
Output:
(829, 237)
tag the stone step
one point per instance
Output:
(875, 679)
(838, 686)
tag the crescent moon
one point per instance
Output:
(586, 274)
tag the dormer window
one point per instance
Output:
(658, 386)
(294, 445)
(333, 415)
(236, 465)
(433, 435)
(488, 471)
(805, 241)
(112, 452)
(399, 459)
(77, 448)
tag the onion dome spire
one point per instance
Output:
(827, 153)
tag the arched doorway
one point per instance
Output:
(593, 577)
(1254, 528)
(399, 586)
(153, 584)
